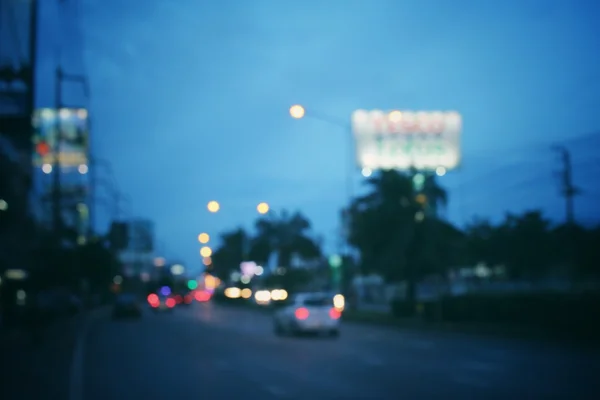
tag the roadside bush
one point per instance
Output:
(560, 312)
(402, 309)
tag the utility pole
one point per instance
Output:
(56, 181)
(568, 190)
(60, 77)
(33, 46)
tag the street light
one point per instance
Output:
(206, 251)
(177, 269)
(213, 206)
(203, 238)
(262, 208)
(206, 261)
(297, 111)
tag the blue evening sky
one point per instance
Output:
(190, 99)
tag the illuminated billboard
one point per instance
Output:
(401, 140)
(73, 146)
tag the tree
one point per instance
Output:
(230, 254)
(98, 264)
(382, 224)
(436, 196)
(396, 235)
(287, 235)
(293, 279)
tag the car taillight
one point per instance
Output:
(153, 300)
(334, 313)
(202, 296)
(170, 302)
(301, 313)
(188, 299)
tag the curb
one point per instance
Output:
(76, 373)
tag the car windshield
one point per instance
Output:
(318, 302)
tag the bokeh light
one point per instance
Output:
(297, 111)
(262, 208)
(213, 206)
(203, 238)
(205, 251)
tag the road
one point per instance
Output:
(216, 352)
(29, 371)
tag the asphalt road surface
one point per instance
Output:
(209, 351)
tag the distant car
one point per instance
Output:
(127, 305)
(184, 299)
(161, 302)
(308, 313)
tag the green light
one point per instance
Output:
(335, 261)
(192, 284)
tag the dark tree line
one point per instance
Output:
(400, 235)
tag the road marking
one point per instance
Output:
(480, 366)
(276, 391)
(222, 365)
(468, 381)
(374, 362)
(420, 344)
(76, 375)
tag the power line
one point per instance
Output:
(569, 191)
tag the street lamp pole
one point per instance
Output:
(299, 112)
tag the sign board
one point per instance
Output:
(403, 140)
(72, 123)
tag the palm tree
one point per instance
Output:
(231, 253)
(382, 223)
(385, 228)
(436, 195)
(285, 234)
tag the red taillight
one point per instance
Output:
(334, 313)
(178, 299)
(301, 313)
(202, 296)
(170, 302)
(187, 299)
(153, 300)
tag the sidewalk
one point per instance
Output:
(42, 371)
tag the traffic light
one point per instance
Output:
(42, 148)
(192, 284)
(335, 261)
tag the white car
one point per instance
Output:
(308, 312)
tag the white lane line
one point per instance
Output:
(374, 362)
(470, 381)
(422, 345)
(276, 391)
(76, 375)
(77, 363)
(222, 365)
(480, 366)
